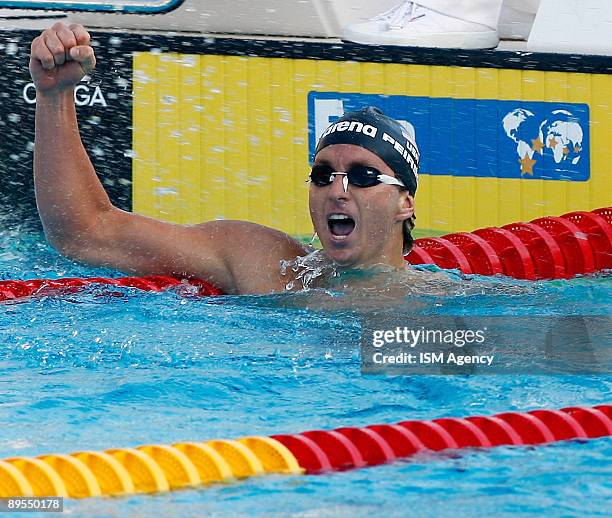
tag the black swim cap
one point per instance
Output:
(371, 129)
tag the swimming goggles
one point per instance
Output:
(358, 175)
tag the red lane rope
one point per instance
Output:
(480, 254)
(594, 421)
(464, 432)
(431, 434)
(312, 458)
(545, 248)
(403, 441)
(340, 450)
(443, 252)
(170, 467)
(573, 244)
(10, 289)
(497, 430)
(353, 447)
(598, 231)
(374, 449)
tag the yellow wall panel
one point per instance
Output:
(372, 78)
(349, 76)
(168, 191)
(212, 138)
(285, 207)
(144, 164)
(601, 141)
(419, 77)
(189, 144)
(227, 137)
(303, 80)
(259, 151)
(235, 130)
(328, 77)
(395, 80)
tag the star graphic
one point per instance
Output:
(537, 145)
(552, 142)
(527, 165)
(565, 150)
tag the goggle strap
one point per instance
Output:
(389, 180)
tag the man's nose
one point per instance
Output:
(339, 186)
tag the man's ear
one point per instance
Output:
(405, 206)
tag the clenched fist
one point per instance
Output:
(61, 57)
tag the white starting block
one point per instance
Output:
(572, 27)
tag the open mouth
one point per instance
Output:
(340, 224)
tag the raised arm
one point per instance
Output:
(68, 193)
(79, 219)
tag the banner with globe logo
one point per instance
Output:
(477, 137)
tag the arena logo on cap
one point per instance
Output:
(355, 126)
(525, 140)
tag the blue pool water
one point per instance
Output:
(100, 369)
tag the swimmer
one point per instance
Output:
(361, 198)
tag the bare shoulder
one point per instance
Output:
(236, 256)
(252, 253)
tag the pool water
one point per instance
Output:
(108, 368)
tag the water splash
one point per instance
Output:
(308, 268)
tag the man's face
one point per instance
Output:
(372, 233)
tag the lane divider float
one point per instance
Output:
(158, 468)
(14, 289)
(546, 248)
